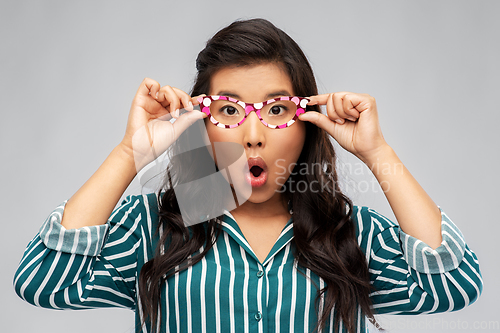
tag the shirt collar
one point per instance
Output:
(230, 226)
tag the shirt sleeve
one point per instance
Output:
(89, 267)
(409, 277)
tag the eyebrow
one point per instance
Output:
(268, 96)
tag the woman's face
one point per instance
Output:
(278, 148)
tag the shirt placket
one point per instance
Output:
(258, 272)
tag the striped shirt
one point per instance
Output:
(230, 290)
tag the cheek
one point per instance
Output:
(296, 140)
(217, 134)
(215, 139)
(210, 137)
(214, 134)
(290, 148)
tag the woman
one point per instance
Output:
(291, 254)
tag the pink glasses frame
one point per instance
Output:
(205, 102)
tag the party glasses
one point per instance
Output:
(227, 112)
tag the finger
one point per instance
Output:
(349, 107)
(360, 102)
(339, 104)
(169, 99)
(195, 100)
(184, 98)
(162, 97)
(332, 114)
(186, 120)
(319, 120)
(149, 87)
(318, 99)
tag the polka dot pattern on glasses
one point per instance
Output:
(300, 102)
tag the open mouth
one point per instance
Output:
(258, 171)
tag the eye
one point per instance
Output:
(277, 110)
(229, 110)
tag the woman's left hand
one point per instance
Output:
(352, 121)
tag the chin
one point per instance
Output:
(258, 195)
(261, 197)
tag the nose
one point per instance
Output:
(253, 131)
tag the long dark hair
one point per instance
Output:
(324, 233)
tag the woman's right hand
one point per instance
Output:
(149, 132)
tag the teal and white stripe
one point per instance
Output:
(230, 290)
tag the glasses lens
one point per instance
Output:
(279, 112)
(226, 112)
(230, 113)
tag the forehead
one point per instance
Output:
(251, 83)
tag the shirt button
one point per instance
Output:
(260, 273)
(258, 316)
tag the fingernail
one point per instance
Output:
(340, 121)
(176, 113)
(190, 106)
(351, 118)
(156, 95)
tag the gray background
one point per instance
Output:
(69, 72)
